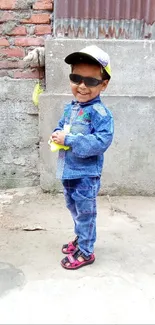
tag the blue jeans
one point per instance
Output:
(80, 195)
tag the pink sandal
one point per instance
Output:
(73, 261)
(70, 247)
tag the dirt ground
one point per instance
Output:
(119, 288)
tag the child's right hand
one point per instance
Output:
(59, 137)
(56, 140)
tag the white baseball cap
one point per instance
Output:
(92, 52)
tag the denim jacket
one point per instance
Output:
(91, 134)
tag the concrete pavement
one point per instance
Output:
(119, 288)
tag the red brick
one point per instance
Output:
(43, 5)
(29, 41)
(28, 74)
(7, 4)
(4, 42)
(3, 73)
(37, 19)
(42, 29)
(12, 52)
(19, 30)
(12, 64)
(6, 16)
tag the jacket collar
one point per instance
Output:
(91, 102)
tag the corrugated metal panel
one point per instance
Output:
(122, 19)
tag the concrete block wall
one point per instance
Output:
(24, 25)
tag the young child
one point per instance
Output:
(86, 127)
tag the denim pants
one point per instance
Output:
(80, 195)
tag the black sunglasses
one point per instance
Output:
(88, 81)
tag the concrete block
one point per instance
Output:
(130, 161)
(48, 166)
(16, 90)
(132, 65)
(19, 135)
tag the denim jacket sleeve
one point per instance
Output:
(97, 142)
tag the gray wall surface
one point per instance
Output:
(19, 135)
(130, 162)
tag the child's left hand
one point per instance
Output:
(59, 137)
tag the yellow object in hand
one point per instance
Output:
(55, 146)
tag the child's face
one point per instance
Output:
(82, 92)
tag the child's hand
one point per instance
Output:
(59, 137)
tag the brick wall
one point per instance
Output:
(24, 25)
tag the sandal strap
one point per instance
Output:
(78, 253)
(71, 245)
(73, 261)
(68, 259)
(72, 258)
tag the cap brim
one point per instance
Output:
(78, 57)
